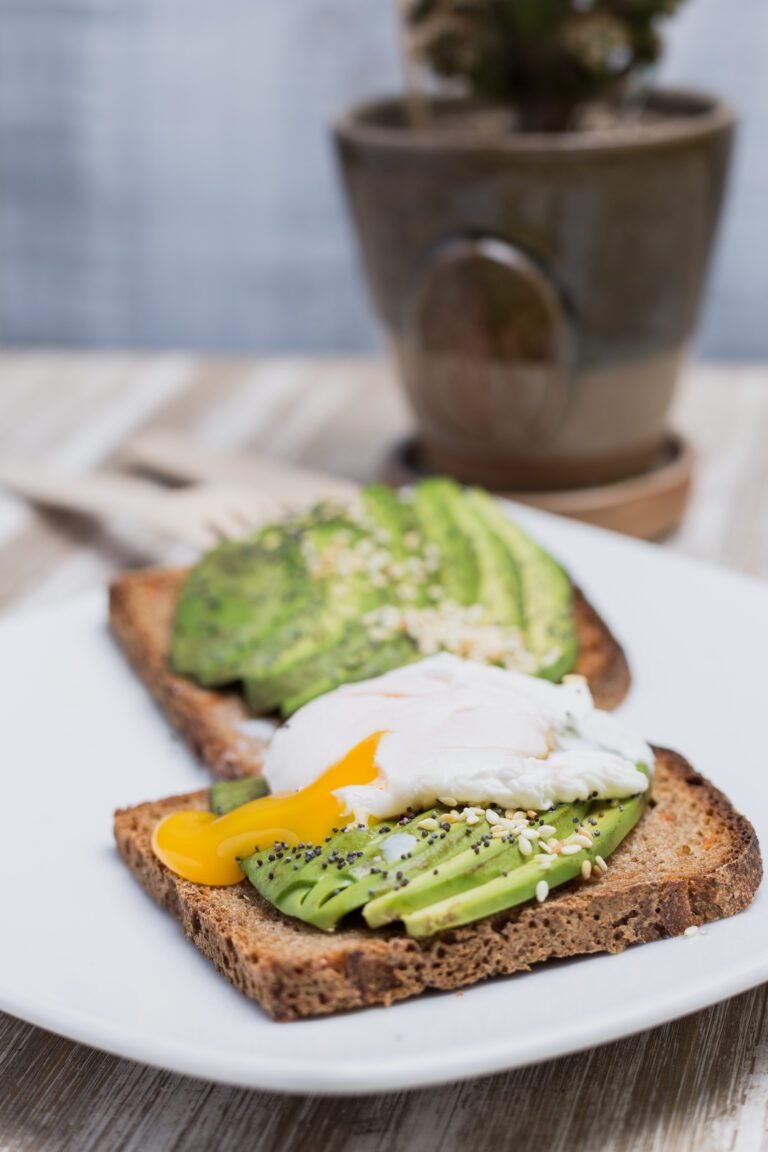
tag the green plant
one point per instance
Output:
(548, 58)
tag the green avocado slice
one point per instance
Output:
(502, 892)
(336, 600)
(482, 859)
(345, 652)
(232, 599)
(547, 593)
(339, 876)
(378, 870)
(430, 879)
(227, 795)
(456, 567)
(291, 612)
(391, 519)
(352, 660)
(286, 877)
(499, 589)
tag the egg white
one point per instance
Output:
(465, 731)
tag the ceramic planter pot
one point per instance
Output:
(539, 291)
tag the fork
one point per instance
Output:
(200, 515)
(175, 456)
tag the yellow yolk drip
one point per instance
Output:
(204, 848)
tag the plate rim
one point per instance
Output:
(395, 1074)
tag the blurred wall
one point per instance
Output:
(166, 177)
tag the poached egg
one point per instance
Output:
(463, 732)
(441, 730)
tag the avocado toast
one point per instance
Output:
(447, 804)
(266, 624)
(690, 859)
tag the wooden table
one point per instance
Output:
(698, 1084)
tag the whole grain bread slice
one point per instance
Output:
(216, 724)
(692, 858)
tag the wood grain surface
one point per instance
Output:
(700, 1084)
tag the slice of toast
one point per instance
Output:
(692, 858)
(215, 723)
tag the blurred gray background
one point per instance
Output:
(166, 177)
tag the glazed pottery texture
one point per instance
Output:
(539, 291)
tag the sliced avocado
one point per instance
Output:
(336, 648)
(482, 858)
(434, 878)
(499, 589)
(341, 598)
(354, 656)
(236, 595)
(245, 593)
(322, 884)
(229, 794)
(286, 876)
(547, 593)
(285, 611)
(457, 570)
(378, 869)
(361, 659)
(393, 518)
(500, 892)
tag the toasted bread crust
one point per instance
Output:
(692, 858)
(601, 658)
(141, 608)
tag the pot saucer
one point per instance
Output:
(649, 505)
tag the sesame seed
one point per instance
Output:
(691, 930)
(525, 846)
(570, 849)
(429, 824)
(583, 839)
(601, 864)
(586, 869)
(546, 829)
(542, 891)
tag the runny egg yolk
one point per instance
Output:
(204, 848)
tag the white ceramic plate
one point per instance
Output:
(86, 953)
